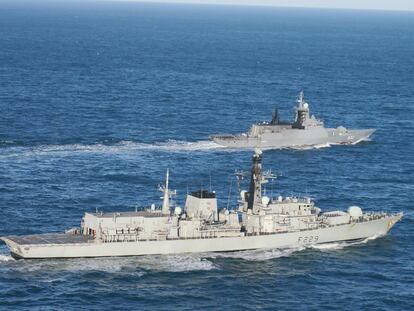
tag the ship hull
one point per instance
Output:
(293, 138)
(92, 248)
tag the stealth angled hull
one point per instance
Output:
(304, 131)
(295, 138)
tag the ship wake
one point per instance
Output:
(5, 258)
(177, 263)
(118, 148)
(138, 266)
(310, 147)
(128, 146)
(4, 254)
(260, 255)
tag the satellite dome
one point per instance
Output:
(354, 211)
(265, 201)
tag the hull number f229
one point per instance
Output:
(308, 239)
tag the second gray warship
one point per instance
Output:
(305, 131)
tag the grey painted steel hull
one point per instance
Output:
(93, 248)
(294, 138)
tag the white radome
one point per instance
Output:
(265, 201)
(177, 210)
(355, 211)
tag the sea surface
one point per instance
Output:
(98, 99)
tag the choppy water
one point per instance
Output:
(98, 100)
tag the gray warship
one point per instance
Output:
(256, 222)
(305, 131)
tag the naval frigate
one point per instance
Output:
(256, 222)
(305, 131)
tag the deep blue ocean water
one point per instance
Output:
(98, 99)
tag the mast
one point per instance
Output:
(255, 189)
(301, 99)
(275, 117)
(302, 112)
(166, 198)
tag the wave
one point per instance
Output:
(310, 147)
(128, 146)
(118, 265)
(4, 253)
(261, 255)
(177, 263)
(121, 147)
(7, 142)
(4, 258)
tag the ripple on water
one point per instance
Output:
(130, 147)
(117, 265)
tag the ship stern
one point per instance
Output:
(15, 249)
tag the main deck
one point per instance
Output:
(50, 238)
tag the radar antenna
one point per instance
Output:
(262, 178)
(301, 112)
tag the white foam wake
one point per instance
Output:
(134, 147)
(311, 147)
(118, 265)
(261, 255)
(121, 147)
(4, 258)
(5, 254)
(177, 263)
(363, 139)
